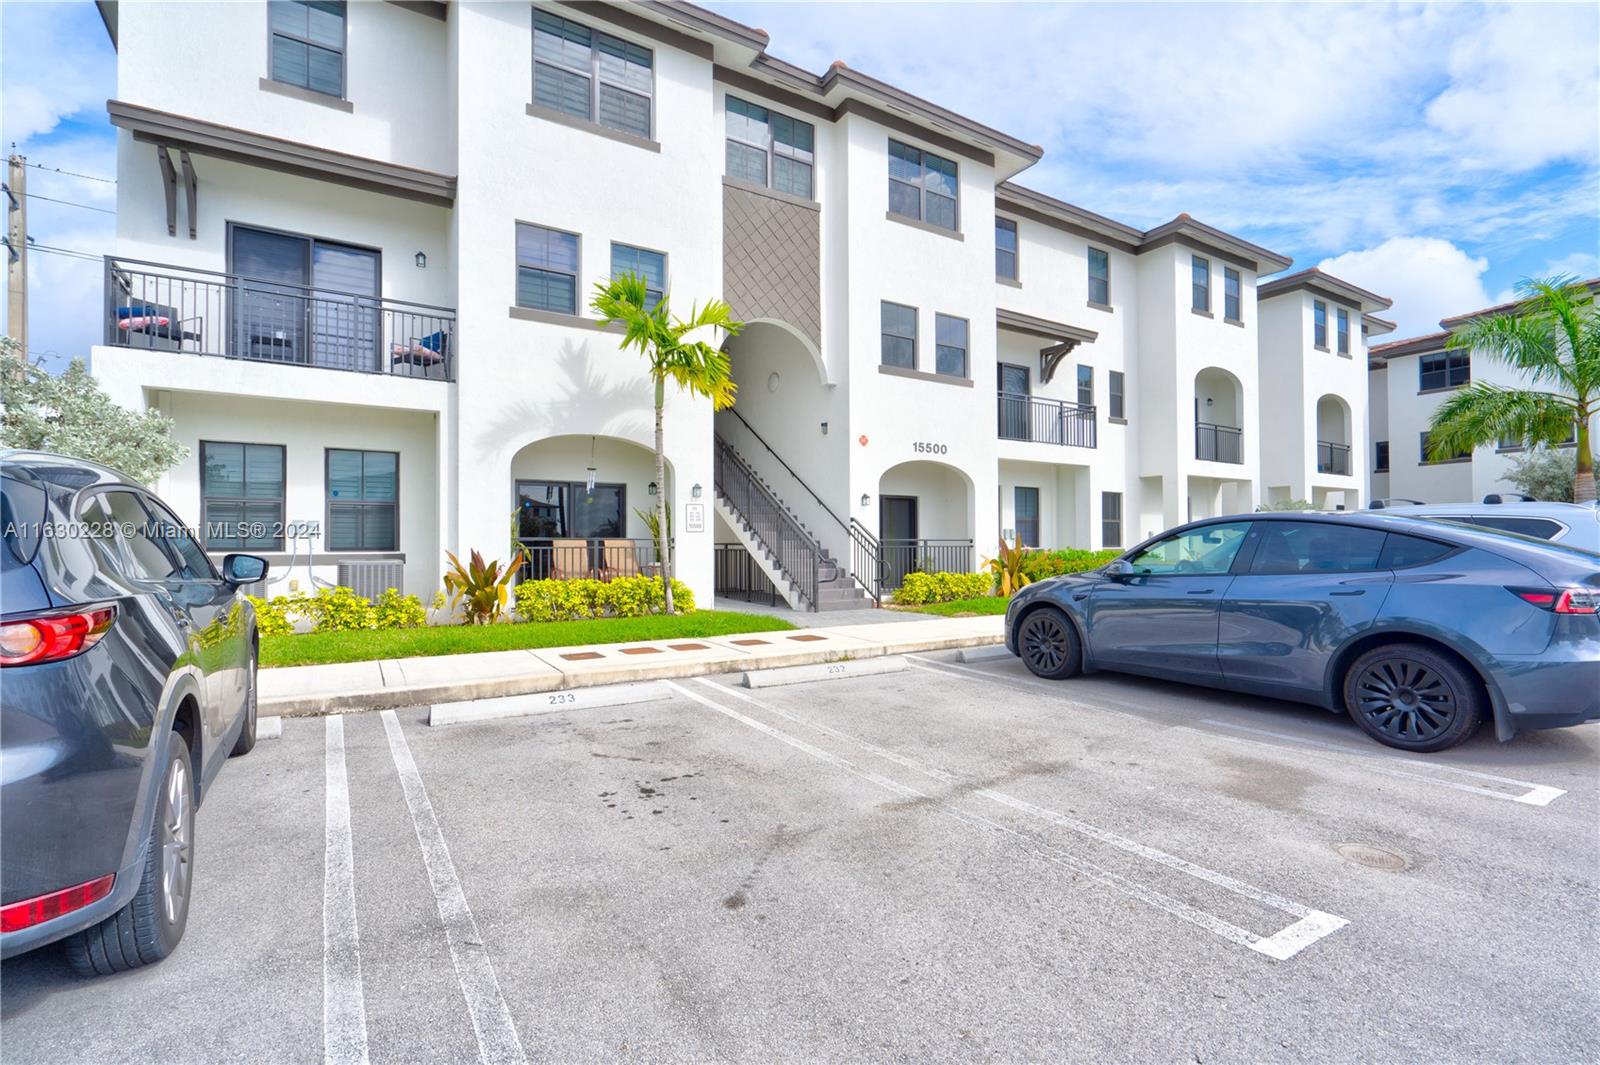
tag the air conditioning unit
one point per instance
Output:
(370, 578)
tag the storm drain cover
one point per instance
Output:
(1373, 857)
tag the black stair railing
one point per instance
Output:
(866, 560)
(797, 553)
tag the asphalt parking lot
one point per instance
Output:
(954, 862)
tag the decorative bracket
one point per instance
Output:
(191, 185)
(1050, 358)
(169, 182)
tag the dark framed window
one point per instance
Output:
(592, 75)
(1344, 331)
(1232, 298)
(363, 500)
(769, 148)
(1100, 277)
(1319, 324)
(1426, 459)
(1200, 283)
(1085, 385)
(307, 45)
(562, 509)
(922, 186)
(1115, 402)
(547, 269)
(1446, 370)
(1400, 551)
(1316, 547)
(1380, 457)
(241, 496)
(899, 335)
(142, 555)
(193, 565)
(950, 345)
(1027, 507)
(1110, 519)
(641, 262)
(1005, 249)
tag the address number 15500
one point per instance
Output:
(927, 447)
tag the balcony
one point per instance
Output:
(1333, 458)
(588, 558)
(1046, 421)
(1218, 443)
(172, 308)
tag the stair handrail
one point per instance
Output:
(798, 479)
(798, 553)
(866, 555)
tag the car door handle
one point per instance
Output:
(1201, 591)
(1352, 591)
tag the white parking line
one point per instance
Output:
(1310, 925)
(498, 1043)
(344, 1012)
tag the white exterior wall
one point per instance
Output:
(1409, 413)
(1295, 376)
(1378, 428)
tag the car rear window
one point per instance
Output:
(1316, 547)
(22, 513)
(1543, 528)
(1400, 550)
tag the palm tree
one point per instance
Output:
(694, 365)
(1552, 339)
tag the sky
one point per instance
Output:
(1433, 153)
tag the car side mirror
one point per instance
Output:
(1119, 569)
(243, 569)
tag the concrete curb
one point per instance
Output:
(389, 698)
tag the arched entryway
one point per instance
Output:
(1218, 416)
(925, 520)
(1333, 436)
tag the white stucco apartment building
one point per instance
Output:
(356, 244)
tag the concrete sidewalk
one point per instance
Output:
(395, 682)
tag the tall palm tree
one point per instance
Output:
(1552, 339)
(692, 364)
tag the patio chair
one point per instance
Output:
(619, 559)
(421, 356)
(569, 559)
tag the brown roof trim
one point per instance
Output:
(108, 17)
(630, 21)
(430, 8)
(1422, 345)
(1376, 326)
(853, 106)
(839, 74)
(1326, 285)
(1058, 214)
(1185, 230)
(705, 20)
(275, 153)
(1017, 322)
(1593, 284)
(744, 83)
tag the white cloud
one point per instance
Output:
(51, 71)
(1427, 278)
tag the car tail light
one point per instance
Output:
(1561, 600)
(15, 916)
(51, 637)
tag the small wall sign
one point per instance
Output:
(694, 517)
(862, 439)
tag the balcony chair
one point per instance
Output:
(152, 325)
(569, 559)
(421, 356)
(619, 559)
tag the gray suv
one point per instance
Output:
(1572, 524)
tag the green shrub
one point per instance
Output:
(1041, 564)
(624, 597)
(396, 611)
(338, 610)
(272, 615)
(921, 588)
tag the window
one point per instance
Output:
(1027, 501)
(922, 186)
(241, 496)
(143, 556)
(1380, 457)
(650, 265)
(1443, 371)
(1316, 547)
(899, 335)
(950, 345)
(1110, 519)
(1115, 391)
(363, 500)
(1200, 281)
(1447, 458)
(562, 509)
(547, 269)
(570, 60)
(1100, 277)
(165, 527)
(1232, 302)
(1319, 324)
(1005, 249)
(1509, 443)
(1539, 528)
(1208, 550)
(1085, 386)
(1400, 551)
(1344, 331)
(307, 47)
(769, 149)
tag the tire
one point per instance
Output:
(150, 926)
(1413, 698)
(1048, 644)
(247, 732)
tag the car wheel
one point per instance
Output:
(247, 733)
(149, 927)
(1048, 644)
(1413, 698)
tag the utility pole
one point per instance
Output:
(17, 250)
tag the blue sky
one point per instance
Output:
(1434, 153)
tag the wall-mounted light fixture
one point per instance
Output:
(695, 491)
(824, 428)
(1209, 401)
(866, 501)
(422, 261)
(652, 488)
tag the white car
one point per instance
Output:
(1568, 524)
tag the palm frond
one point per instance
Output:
(1484, 413)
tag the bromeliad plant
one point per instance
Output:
(483, 588)
(1008, 567)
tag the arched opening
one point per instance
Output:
(583, 506)
(1218, 416)
(1333, 435)
(925, 520)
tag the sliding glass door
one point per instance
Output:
(305, 300)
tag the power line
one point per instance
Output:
(70, 253)
(71, 173)
(68, 203)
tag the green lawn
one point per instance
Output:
(963, 608)
(314, 648)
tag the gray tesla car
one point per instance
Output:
(1419, 630)
(127, 678)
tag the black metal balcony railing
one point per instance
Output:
(1046, 421)
(599, 558)
(738, 577)
(172, 308)
(901, 557)
(1218, 443)
(1333, 458)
